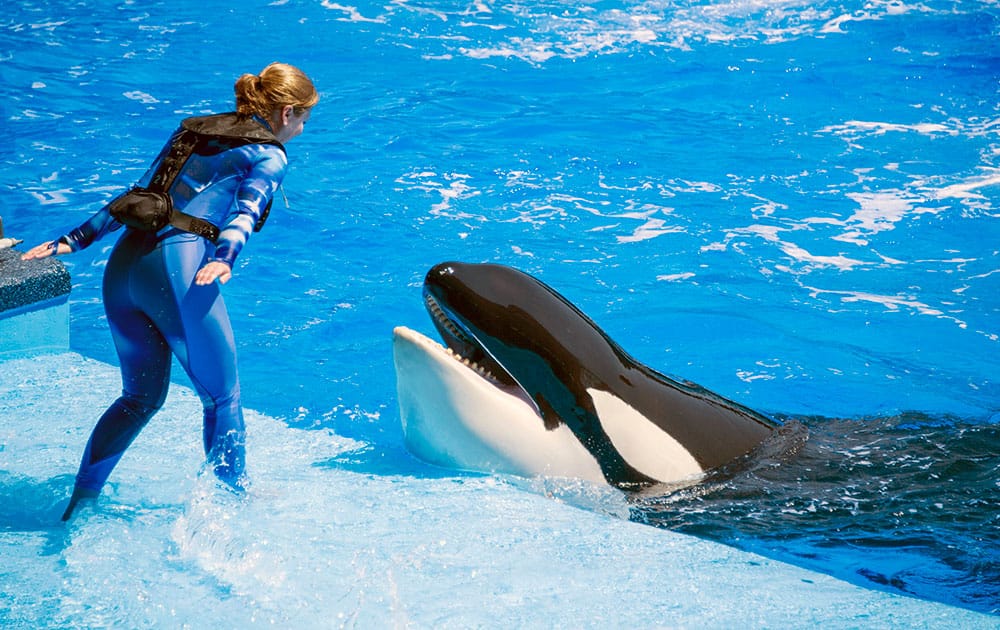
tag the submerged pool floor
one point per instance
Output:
(326, 537)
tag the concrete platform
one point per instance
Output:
(34, 304)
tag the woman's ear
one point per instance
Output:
(286, 113)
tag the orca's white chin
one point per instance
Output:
(454, 415)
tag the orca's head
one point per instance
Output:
(486, 400)
(529, 339)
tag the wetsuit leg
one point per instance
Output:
(144, 357)
(201, 337)
(154, 308)
(211, 364)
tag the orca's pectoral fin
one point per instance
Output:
(79, 494)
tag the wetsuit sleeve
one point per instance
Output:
(93, 229)
(255, 191)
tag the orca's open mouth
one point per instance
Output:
(465, 348)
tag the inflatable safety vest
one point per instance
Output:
(150, 208)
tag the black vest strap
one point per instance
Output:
(189, 223)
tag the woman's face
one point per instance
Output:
(287, 124)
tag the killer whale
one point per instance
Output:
(527, 384)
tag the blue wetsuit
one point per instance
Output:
(154, 308)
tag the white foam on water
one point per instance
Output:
(329, 536)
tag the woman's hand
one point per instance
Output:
(213, 271)
(45, 250)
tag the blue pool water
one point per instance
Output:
(794, 204)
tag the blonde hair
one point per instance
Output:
(277, 85)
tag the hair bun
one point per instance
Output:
(277, 85)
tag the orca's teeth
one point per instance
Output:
(473, 365)
(441, 316)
